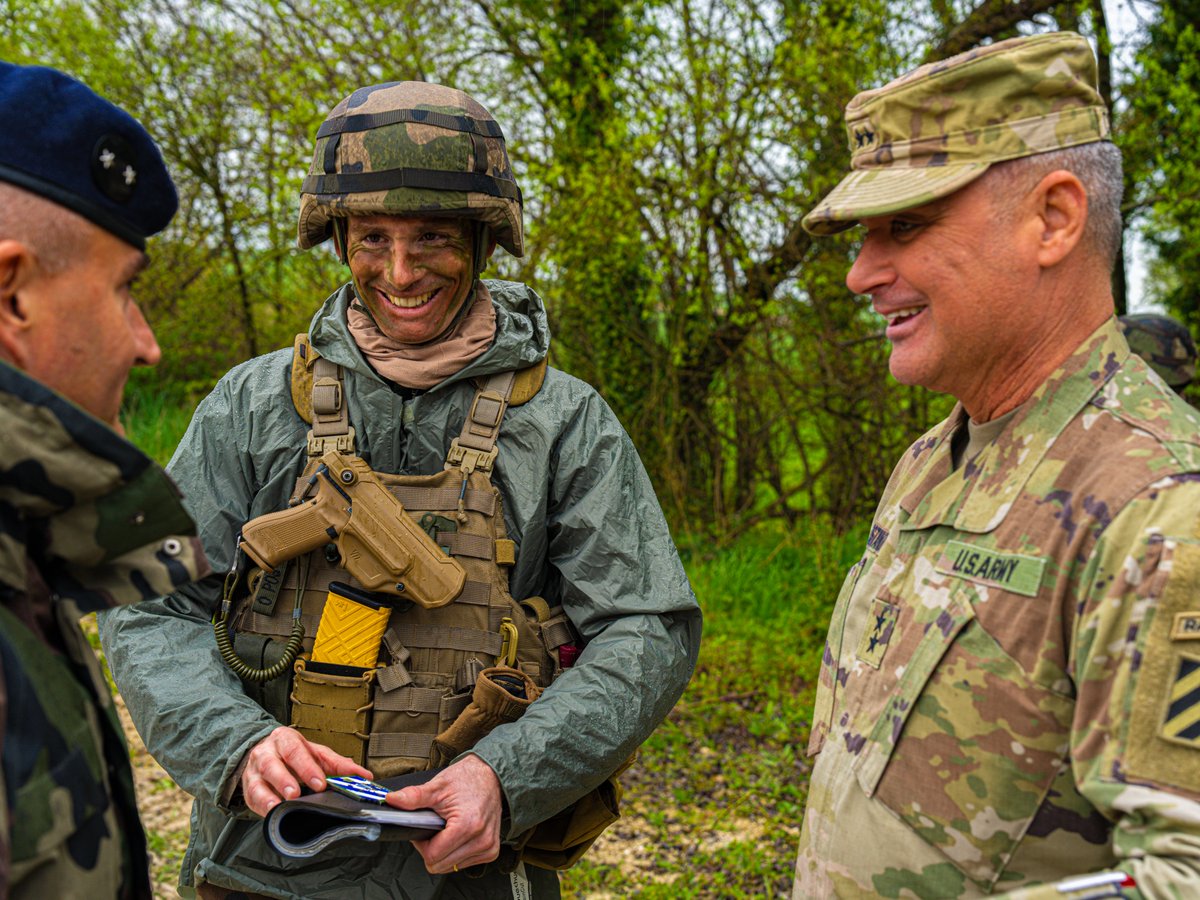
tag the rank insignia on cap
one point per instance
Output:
(87, 155)
(1182, 721)
(112, 168)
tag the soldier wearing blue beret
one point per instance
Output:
(87, 521)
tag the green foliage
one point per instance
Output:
(154, 419)
(667, 150)
(717, 795)
(1158, 133)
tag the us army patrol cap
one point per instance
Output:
(62, 141)
(938, 128)
(1165, 345)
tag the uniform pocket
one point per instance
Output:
(968, 746)
(333, 709)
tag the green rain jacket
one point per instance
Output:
(589, 533)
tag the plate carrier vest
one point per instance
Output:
(430, 658)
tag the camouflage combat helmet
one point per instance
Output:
(1164, 344)
(411, 148)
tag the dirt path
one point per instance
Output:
(164, 809)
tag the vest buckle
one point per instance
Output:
(318, 446)
(470, 459)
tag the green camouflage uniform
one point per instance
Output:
(1006, 694)
(1010, 695)
(87, 522)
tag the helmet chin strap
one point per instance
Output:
(483, 236)
(340, 228)
(479, 262)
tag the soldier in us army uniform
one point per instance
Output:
(1008, 700)
(421, 374)
(87, 521)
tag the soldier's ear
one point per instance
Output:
(18, 271)
(1062, 206)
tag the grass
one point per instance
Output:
(713, 806)
(718, 792)
(154, 421)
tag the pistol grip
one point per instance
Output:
(279, 536)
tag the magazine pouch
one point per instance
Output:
(332, 706)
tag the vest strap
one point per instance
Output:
(395, 675)
(445, 499)
(411, 700)
(557, 633)
(445, 637)
(475, 593)
(330, 419)
(392, 678)
(475, 448)
(476, 546)
(413, 746)
(278, 625)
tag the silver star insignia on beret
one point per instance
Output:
(107, 158)
(130, 175)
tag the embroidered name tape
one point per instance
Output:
(1011, 571)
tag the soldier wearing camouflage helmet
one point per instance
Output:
(574, 615)
(1165, 345)
(87, 521)
(1007, 700)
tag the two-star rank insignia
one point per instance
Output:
(878, 633)
(112, 168)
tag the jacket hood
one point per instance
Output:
(522, 333)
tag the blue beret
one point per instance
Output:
(60, 140)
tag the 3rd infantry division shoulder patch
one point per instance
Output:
(1182, 722)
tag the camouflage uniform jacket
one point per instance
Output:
(86, 522)
(1007, 694)
(590, 535)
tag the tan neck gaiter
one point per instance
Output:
(421, 366)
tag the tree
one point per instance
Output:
(1159, 132)
(668, 150)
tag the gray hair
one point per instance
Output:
(51, 231)
(1098, 167)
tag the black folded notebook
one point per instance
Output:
(307, 825)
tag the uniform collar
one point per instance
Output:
(99, 519)
(978, 496)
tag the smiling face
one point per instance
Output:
(80, 330)
(413, 273)
(957, 290)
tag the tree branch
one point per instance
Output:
(988, 19)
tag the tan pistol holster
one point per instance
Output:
(402, 714)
